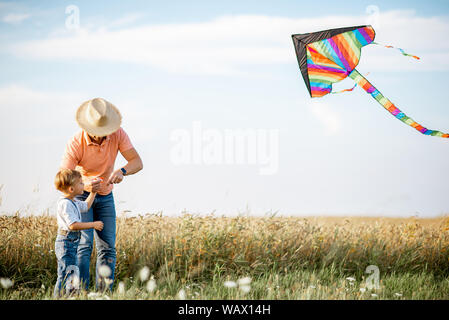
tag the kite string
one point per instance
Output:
(402, 51)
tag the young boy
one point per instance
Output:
(69, 210)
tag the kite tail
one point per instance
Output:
(344, 90)
(369, 88)
(402, 51)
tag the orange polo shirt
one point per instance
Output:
(94, 160)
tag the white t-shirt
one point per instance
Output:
(69, 211)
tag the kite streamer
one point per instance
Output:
(402, 51)
(329, 56)
(390, 107)
(345, 90)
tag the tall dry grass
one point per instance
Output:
(191, 248)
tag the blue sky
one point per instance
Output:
(228, 66)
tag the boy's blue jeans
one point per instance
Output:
(65, 250)
(103, 209)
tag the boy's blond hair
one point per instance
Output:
(66, 178)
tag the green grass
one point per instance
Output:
(286, 258)
(299, 285)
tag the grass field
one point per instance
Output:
(209, 257)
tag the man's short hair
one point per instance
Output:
(66, 178)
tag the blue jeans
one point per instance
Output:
(103, 209)
(65, 250)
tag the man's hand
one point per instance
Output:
(115, 177)
(92, 186)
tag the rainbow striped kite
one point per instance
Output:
(329, 56)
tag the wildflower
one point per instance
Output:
(230, 284)
(351, 279)
(104, 271)
(144, 273)
(245, 288)
(93, 295)
(6, 283)
(121, 287)
(312, 287)
(182, 294)
(97, 296)
(362, 290)
(74, 282)
(373, 295)
(151, 285)
(244, 281)
(398, 294)
(108, 281)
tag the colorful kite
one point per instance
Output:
(329, 56)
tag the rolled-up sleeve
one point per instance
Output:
(71, 158)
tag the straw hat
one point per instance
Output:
(98, 117)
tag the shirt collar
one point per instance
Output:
(90, 142)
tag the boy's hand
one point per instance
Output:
(98, 225)
(93, 186)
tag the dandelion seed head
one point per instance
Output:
(6, 283)
(104, 271)
(144, 273)
(151, 285)
(121, 287)
(74, 282)
(245, 288)
(181, 294)
(351, 279)
(93, 295)
(230, 284)
(244, 281)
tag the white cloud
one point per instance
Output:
(326, 115)
(36, 114)
(127, 19)
(15, 18)
(228, 44)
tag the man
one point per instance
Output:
(93, 151)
